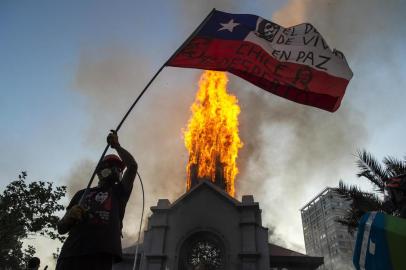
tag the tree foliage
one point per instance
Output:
(378, 174)
(27, 209)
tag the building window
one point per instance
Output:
(202, 250)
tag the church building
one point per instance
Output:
(206, 228)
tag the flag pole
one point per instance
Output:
(139, 97)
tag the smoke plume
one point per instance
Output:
(110, 79)
(290, 151)
(303, 149)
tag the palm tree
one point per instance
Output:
(379, 175)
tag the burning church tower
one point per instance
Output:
(212, 135)
(207, 227)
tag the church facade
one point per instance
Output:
(208, 229)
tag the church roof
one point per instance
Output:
(275, 250)
(205, 184)
(282, 257)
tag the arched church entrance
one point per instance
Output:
(202, 251)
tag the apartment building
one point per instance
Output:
(323, 235)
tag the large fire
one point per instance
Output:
(212, 133)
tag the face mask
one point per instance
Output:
(106, 172)
(110, 175)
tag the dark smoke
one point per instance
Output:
(286, 145)
(291, 151)
(80, 176)
(110, 79)
(309, 149)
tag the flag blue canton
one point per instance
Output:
(229, 26)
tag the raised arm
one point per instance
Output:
(131, 171)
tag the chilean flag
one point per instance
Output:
(295, 63)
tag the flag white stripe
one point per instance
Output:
(300, 44)
(365, 240)
(305, 55)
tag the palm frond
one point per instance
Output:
(361, 202)
(394, 166)
(371, 169)
(364, 200)
(346, 191)
(352, 216)
(350, 222)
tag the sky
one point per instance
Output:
(69, 70)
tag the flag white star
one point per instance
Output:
(228, 26)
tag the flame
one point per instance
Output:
(212, 131)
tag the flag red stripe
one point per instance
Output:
(297, 82)
(322, 101)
